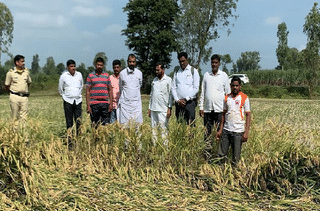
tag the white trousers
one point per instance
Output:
(159, 119)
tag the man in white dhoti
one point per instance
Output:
(130, 104)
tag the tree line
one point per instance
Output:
(157, 28)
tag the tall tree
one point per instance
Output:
(83, 70)
(60, 68)
(311, 54)
(198, 24)
(150, 31)
(123, 63)
(282, 49)
(102, 55)
(6, 29)
(249, 60)
(49, 68)
(225, 59)
(35, 67)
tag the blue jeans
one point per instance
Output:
(113, 116)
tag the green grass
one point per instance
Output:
(279, 169)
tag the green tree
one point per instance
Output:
(198, 24)
(224, 61)
(83, 70)
(6, 29)
(282, 49)
(35, 67)
(102, 55)
(293, 59)
(49, 68)
(150, 32)
(60, 68)
(249, 60)
(310, 56)
(123, 64)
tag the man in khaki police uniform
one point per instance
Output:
(17, 83)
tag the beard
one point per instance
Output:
(131, 67)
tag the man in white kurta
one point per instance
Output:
(130, 104)
(160, 103)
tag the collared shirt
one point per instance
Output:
(160, 96)
(185, 85)
(115, 89)
(214, 88)
(235, 109)
(70, 87)
(99, 87)
(18, 80)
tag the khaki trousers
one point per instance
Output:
(19, 110)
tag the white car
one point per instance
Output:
(244, 78)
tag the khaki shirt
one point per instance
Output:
(18, 82)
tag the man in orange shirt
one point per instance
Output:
(234, 129)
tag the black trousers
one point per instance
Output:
(73, 112)
(232, 139)
(188, 113)
(100, 113)
(210, 120)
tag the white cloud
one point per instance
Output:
(113, 29)
(43, 20)
(273, 20)
(88, 35)
(85, 2)
(39, 6)
(87, 48)
(90, 11)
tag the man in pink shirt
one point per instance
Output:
(116, 64)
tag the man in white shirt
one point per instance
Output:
(160, 103)
(215, 86)
(185, 87)
(70, 88)
(235, 121)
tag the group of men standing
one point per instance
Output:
(118, 97)
(108, 98)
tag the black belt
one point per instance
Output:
(20, 94)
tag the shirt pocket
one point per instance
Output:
(189, 80)
(15, 79)
(219, 86)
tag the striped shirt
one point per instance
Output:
(98, 84)
(235, 109)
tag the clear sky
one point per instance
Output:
(78, 29)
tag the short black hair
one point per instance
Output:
(100, 59)
(181, 54)
(116, 62)
(236, 78)
(132, 55)
(70, 62)
(161, 65)
(215, 56)
(17, 58)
